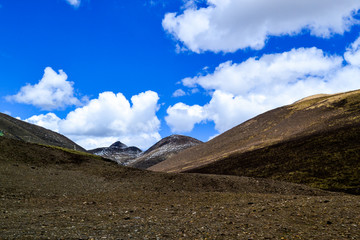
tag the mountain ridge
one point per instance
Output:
(21, 130)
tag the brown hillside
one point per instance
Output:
(327, 160)
(17, 129)
(303, 118)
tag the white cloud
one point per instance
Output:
(352, 55)
(182, 118)
(52, 92)
(229, 25)
(109, 118)
(75, 3)
(268, 73)
(49, 121)
(179, 93)
(225, 110)
(244, 90)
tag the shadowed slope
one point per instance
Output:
(17, 129)
(327, 160)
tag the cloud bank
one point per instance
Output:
(52, 92)
(107, 119)
(243, 90)
(229, 25)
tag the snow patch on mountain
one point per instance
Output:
(118, 152)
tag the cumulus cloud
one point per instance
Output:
(229, 25)
(243, 90)
(109, 118)
(75, 3)
(182, 118)
(52, 92)
(271, 71)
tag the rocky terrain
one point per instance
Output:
(164, 149)
(17, 129)
(314, 141)
(49, 193)
(118, 152)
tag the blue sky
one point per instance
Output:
(139, 70)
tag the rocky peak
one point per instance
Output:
(118, 152)
(118, 145)
(163, 149)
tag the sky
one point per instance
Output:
(136, 71)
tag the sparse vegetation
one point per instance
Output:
(46, 192)
(75, 152)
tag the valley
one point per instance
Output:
(264, 179)
(67, 195)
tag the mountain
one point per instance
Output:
(52, 193)
(164, 149)
(17, 129)
(314, 141)
(118, 152)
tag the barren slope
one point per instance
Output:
(323, 113)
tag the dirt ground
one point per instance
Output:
(66, 204)
(84, 198)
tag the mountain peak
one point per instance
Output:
(118, 152)
(118, 145)
(163, 149)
